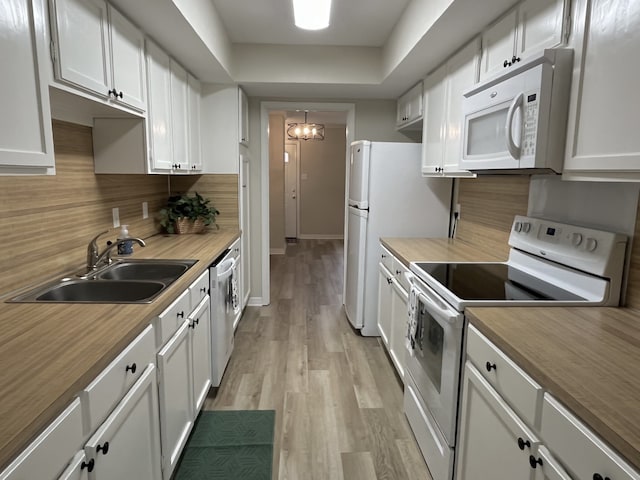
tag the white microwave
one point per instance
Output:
(518, 120)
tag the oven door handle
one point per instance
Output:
(448, 314)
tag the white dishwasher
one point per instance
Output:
(225, 308)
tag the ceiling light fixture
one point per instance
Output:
(305, 131)
(312, 14)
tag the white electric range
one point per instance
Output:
(550, 264)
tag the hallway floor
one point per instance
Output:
(337, 398)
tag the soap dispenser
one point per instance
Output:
(124, 248)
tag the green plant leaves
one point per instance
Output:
(185, 206)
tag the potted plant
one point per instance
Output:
(187, 214)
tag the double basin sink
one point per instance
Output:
(124, 281)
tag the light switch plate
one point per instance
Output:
(116, 217)
(145, 210)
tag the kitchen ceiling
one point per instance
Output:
(372, 49)
(362, 23)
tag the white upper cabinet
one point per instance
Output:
(602, 132)
(243, 117)
(442, 124)
(159, 115)
(99, 51)
(410, 106)
(26, 138)
(179, 117)
(193, 103)
(530, 27)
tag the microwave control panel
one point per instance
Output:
(529, 124)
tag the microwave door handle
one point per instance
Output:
(514, 149)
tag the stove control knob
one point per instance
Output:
(526, 227)
(517, 227)
(576, 239)
(591, 244)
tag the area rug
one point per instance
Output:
(229, 445)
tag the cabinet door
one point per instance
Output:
(127, 60)
(176, 391)
(433, 126)
(540, 25)
(399, 300)
(402, 111)
(490, 433)
(25, 127)
(498, 45)
(127, 444)
(384, 303)
(83, 54)
(602, 128)
(200, 326)
(179, 117)
(193, 103)
(243, 117)
(159, 115)
(462, 73)
(245, 227)
(78, 469)
(550, 468)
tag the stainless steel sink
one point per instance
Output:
(107, 291)
(125, 281)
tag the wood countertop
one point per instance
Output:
(49, 352)
(586, 357)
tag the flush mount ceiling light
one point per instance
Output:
(306, 130)
(312, 14)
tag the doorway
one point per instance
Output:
(291, 189)
(272, 107)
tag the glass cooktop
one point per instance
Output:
(492, 281)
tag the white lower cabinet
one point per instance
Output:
(384, 303)
(200, 338)
(78, 469)
(127, 445)
(399, 301)
(493, 442)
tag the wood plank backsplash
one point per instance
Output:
(47, 221)
(487, 207)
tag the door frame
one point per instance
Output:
(265, 109)
(297, 145)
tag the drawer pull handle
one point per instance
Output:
(523, 443)
(194, 323)
(203, 290)
(88, 465)
(389, 280)
(534, 462)
(104, 447)
(596, 476)
(398, 272)
(131, 368)
(383, 256)
(490, 366)
(180, 314)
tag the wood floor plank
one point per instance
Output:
(358, 466)
(363, 381)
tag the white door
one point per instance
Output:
(355, 266)
(193, 97)
(127, 60)
(498, 45)
(127, 445)
(179, 117)
(434, 123)
(159, 116)
(200, 325)
(176, 405)
(384, 303)
(397, 348)
(291, 190)
(24, 52)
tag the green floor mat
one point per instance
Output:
(229, 445)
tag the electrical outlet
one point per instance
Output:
(116, 217)
(145, 210)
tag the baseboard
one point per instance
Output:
(319, 236)
(255, 302)
(276, 251)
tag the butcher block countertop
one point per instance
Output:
(51, 351)
(586, 357)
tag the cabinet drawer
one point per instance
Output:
(49, 454)
(386, 258)
(199, 289)
(399, 270)
(582, 453)
(170, 320)
(510, 381)
(108, 388)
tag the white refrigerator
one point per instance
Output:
(387, 197)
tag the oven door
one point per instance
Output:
(434, 343)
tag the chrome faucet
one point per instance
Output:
(95, 258)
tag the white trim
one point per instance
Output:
(265, 108)
(320, 236)
(277, 251)
(255, 302)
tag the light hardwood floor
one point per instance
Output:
(337, 399)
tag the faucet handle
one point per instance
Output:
(92, 251)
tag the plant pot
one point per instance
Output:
(185, 225)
